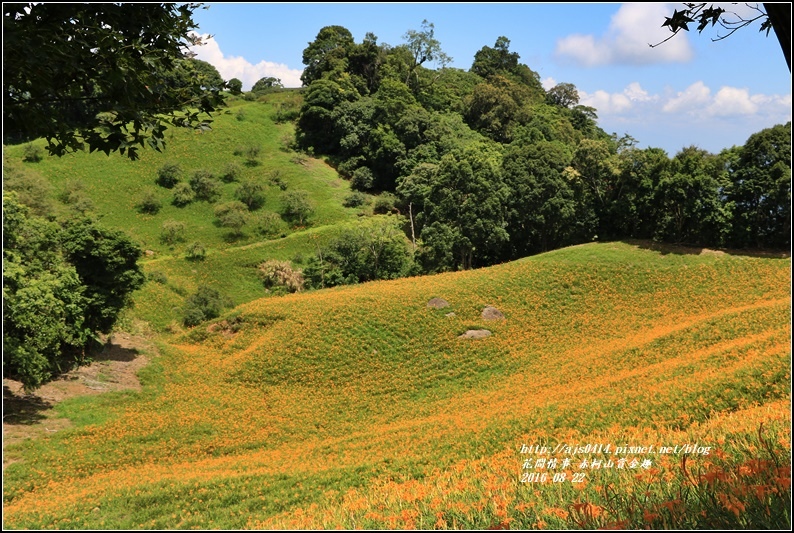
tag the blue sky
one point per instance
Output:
(688, 91)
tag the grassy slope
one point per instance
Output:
(359, 407)
(115, 185)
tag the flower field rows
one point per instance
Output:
(359, 407)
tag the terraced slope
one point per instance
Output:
(361, 407)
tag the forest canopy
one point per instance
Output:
(491, 167)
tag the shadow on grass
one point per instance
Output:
(23, 409)
(681, 249)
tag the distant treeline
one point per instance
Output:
(491, 167)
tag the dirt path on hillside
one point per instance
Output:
(29, 416)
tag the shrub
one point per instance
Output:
(231, 172)
(157, 277)
(362, 179)
(32, 189)
(296, 206)
(183, 195)
(348, 166)
(196, 252)
(355, 199)
(276, 179)
(286, 112)
(235, 86)
(205, 186)
(280, 275)
(232, 215)
(204, 304)
(384, 203)
(240, 116)
(33, 154)
(169, 175)
(173, 232)
(251, 194)
(74, 196)
(250, 153)
(268, 224)
(149, 204)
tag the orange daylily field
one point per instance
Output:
(359, 407)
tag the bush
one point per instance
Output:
(183, 195)
(276, 179)
(173, 232)
(296, 206)
(348, 166)
(204, 304)
(169, 175)
(355, 199)
(33, 154)
(32, 189)
(157, 277)
(250, 153)
(231, 172)
(196, 252)
(362, 179)
(149, 204)
(251, 194)
(269, 225)
(74, 196)
(384, 203)
(235, 86)
(232, 215)
(205, 186)
(279, 275)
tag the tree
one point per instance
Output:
(251, 193)
(96, 75)
(542, 209)
(296, 206)
(464, 213)
(328, 49)
(497, 60)
(207, 74)
(563, 95)
(106, 261)
(235, 86)
(232, 215)
(423, 47)
(61, 286)
(777, 17)
(266, 83)
(761, 190)
(687, 200)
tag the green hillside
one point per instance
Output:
(361, 406)
(112, 187)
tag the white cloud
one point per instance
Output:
(604, 102)
(636, 93)
(695, 103)
(548, 83)
(617, 103)
(693, 98)
(242, 69)
(626, 42)
(732, 101)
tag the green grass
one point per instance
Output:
(115, 184)
(359, 407)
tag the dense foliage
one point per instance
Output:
(62, 284)
(492, 167)
(103, 76)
